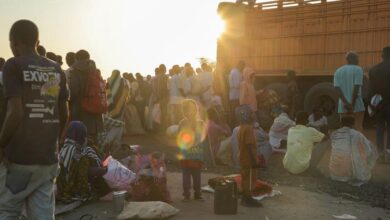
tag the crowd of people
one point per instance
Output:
(44, 108)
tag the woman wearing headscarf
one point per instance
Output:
(118, 92)
(247, 90)
(81, 167)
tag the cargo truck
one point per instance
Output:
(310, 37)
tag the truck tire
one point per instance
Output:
(324, 95)
(280, 88)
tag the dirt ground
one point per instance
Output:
(303, 197)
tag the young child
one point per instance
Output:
(192, 135)
(248, 152)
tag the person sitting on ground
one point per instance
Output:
(248, 160)
(264, 149)
(300, 143)
(353, 155)
(279, 129)
(217, 130)
(318, 120)
(191, 140)
(81, 167)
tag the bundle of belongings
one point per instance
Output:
(261, 187)
(151, 182)
(353, 156)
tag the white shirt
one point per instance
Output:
(185, 83)
(319, 123)
(234, 84)
(206, 82)
(174, 93)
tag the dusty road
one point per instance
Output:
(300, 200)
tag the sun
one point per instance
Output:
(218, 27)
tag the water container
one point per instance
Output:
(225, 198)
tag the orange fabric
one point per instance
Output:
(246, 136)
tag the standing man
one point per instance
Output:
(206, 81)
(77, 84)
(36, 93)
(234, 90)
(348, 81)
(175, 96)
(70, 60)
(379, 85)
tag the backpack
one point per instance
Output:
(94, 100)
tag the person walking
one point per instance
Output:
(348, 81)
(32, 128)
(235, 78)
(379, 85)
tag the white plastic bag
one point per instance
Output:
(147, 210)
(173, 130)
(156, 114)
(225, 152)
(118, 176)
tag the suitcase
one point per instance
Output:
(225, 198)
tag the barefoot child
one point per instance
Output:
(191, 136)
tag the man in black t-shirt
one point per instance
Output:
(36, 94)
(379, 85)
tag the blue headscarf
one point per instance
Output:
(245, 114)
(77, 132)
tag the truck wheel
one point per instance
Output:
(280, 88)
(325, 96)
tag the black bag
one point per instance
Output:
(225, 198)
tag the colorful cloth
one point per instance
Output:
(118, 91)
(300, 143)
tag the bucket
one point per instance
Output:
(119, 201)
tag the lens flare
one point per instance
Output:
(188, 137)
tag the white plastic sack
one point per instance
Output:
(118, 176)
(225, 152)
(172, 131)
(147, 210)
(156, 114)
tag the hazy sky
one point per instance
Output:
(129, 35)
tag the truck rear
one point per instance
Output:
(310, 37)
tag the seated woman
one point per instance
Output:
(264, 149)
(81, 167)
(353, 155)
(279, 130)
(216, 131)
